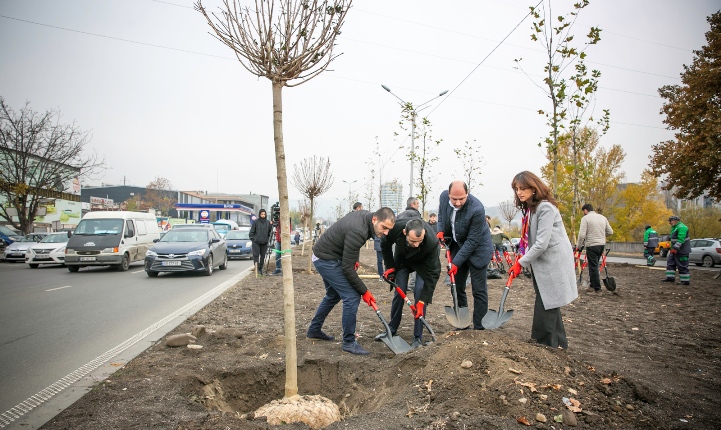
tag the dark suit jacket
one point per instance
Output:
(473, 237)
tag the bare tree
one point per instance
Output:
(470, 157)
(289, 43)
(313, 178)
(160, 194)
(40, 158)
(508, 211)
(426, 159)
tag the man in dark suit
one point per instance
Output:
(462, 224)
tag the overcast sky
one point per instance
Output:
(164, 98)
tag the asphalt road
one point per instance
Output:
(54, 322)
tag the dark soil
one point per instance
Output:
(645, 357)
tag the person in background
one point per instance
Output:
(592, 235)
(357, 206)
(260, 235)
(412, 205)
(650, 242)
(679, 252)
(546, 250)
(296, 239)
(416, 250)
(497, 237)
(335, 256)
(379, 257)
(433, 222)
(462, 219)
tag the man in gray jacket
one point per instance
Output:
(592, 235)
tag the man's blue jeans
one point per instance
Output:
(398, 303)
(379, 261)
(337, 288)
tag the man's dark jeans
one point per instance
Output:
(398, 304)
(259, 252)
(593, 255)
(337, 288)
(278, 255)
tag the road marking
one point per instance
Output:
(46, 394)
(139, 271)
(60, 288)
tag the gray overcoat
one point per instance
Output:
(550, 256)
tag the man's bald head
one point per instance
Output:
(458, 193)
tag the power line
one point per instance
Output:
(116, 38)
(479, 64)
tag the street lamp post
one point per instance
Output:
(350, 192)
(414, 111)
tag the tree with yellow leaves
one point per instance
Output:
(639, 205)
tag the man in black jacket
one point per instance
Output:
(260, 234)
(416, 250)
(412, 205)
(334, 256)
(462, 219)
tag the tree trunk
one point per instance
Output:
(291, 354)
(310, 262)
(305, 231)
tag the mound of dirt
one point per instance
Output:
(644, 357)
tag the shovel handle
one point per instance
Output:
(511, 276)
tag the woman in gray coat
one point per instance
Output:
(547, 251)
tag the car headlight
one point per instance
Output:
(29, 252)
(198, 252)
(110, 250)
(150, 253)
(69, 251)
(248, 244)
(61, 249)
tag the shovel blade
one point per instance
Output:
(397, 344)
(458, 317)
(495, 319)
(610, 283)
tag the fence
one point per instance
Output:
(626, 247)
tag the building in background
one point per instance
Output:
(391, 195)
(201, 206)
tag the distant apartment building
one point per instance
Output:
(392, 196)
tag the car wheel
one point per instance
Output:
(33, 266)
(73, 269)
(209, 267)
(708, 261)
(124, 265)
(225, 264)
(151, 274)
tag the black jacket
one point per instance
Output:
(410, 212)
(343, 241)
(472, 232)
(260, 231)
(423, 260)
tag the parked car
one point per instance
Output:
(664, 245)
(187, 250)
(238, 243)
(16, 250)
(8, 236)
(514, 242)
(223, 226)
(705, 252)
(50, 250)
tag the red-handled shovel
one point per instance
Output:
(395, 343)
(413, 308)
(495, 319)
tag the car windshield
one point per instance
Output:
(185, 235)
(237, 235)
(55, 238)
(26, 239)
(99, 226)
(7, 232)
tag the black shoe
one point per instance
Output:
(355, 348)
(319, 335)
(668, 280)
(381, 336)
(683, 283)
(276, 273)
(417, 342)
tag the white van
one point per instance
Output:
(111, 239)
